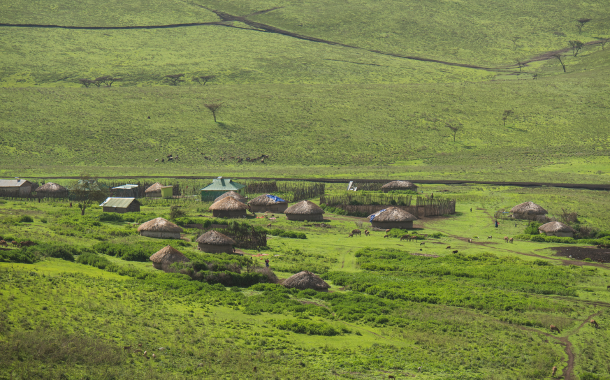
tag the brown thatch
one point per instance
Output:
(264, 200)
(215, 238)
(156, 187)
(528, 208)
(159, 225)
(554, 227)
(228, 204)
(166, 256)
(232, 194)
(304, 208)
(51, 187)
(392, 214)
(399, 185)
(306, 280)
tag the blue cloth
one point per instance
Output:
(375, 214)
(277, 199)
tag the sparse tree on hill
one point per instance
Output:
(213, 108)
(559, 57)
(86, 191)
(581, 23)
(454, 128)
(175, 79)
(108, 80)
(576, 47)
(86, 82)
(505, 115)
(520, 64)
(203, 79)
(603, 41)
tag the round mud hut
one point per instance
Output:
(215, 242)
(304, 210)
(398, 185)
(234, 195)
(556, 229)
(228, 207)
(269, 203)
(392, 217)
(306, 280)
(160, 228)
(166, 256)
(51, 190)
(530, 211)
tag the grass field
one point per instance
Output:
(481, 314)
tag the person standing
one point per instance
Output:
(496, 223)
(267, 263)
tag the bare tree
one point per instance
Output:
(603, 41)
(213, 108)
(86, 82)
(520, 64)
(576, 47)
(175, 79)
(515, 39)
(505, 115)
(86, 191)
(581, 23)
(559, 56)
(454, 128)
(204, 79)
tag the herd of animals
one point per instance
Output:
(28, 243)
(260, 158)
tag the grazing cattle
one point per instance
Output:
(510, 240)
(254, 369)
(448, 247)
(554, 371)
(455, 251)
(366, 232)
(594, 324)
(506, 239)
(3, 243)
(470, 240)
(156, 160)
(15, 243)
(357, 232)
(489, 237)
(422, 243)
(391, 377)
(269, 225)
(385, 236)
(388, 230)
(127, 348)
(404, 237)
(137, 351)
(145, 353)
(554, 328)
(163, 160)
(607, 288)
(350, 235)
(154, 356)
(139, 344)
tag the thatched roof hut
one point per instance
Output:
(306, 280)
(228, 207)
(556, 229)
(160, 228)
(530, 211)
(304, 210)
(215, 242)
(233, 194)
(392, 217)
(51, 190)
(398, 185)
(268, 202)
(166, 256)
(158, 190)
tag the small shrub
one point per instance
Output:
(532, 228)
(25, 219)
(43, 220)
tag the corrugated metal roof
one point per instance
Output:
(12, 182)
(127, 187)
(223, 184)
(117, 202)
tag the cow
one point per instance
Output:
(455, 251)
(470, 240)
(554, 328)
(366, 232)
(594, 324)
(506, 239)
(510, 240)
(14, 243)
(448, 247)
(386, 235)
(269, 225)
(127, 348)
(489, 237)
(405, 237)
(357, 232)
(553, 371)
(156, 160)
(423, 243)
(4, 244)
(388, 230)
(350, 235)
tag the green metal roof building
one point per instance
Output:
(218, 187)
(120, 205)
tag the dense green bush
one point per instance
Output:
(25, 219)
(532, 228)
(93, 259)
(287, 234)
(308, 327)
(30, 255)
(123, 251)
(541, 238)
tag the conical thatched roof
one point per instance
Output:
(399, 185)
(392, 214)
(215, 238)
(266, 200)
(232, 194)
(159, 225)
(304, 208)
(228, 204)
(306, 280)
(51, 187)
(555, 227)
(156, 187)
(528, 208)
(168, 255)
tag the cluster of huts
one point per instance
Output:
(534, 212)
